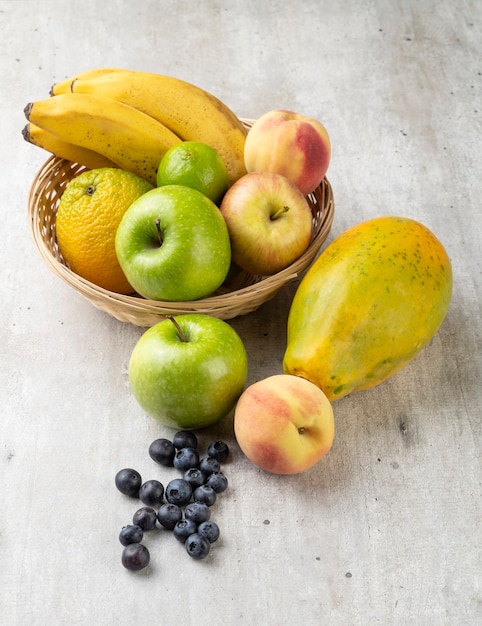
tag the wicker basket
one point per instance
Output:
(244, 294)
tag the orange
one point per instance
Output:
(89, 212)
(194, 164)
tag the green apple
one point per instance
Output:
(173, 244)
(188, 371)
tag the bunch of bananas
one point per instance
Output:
(129, 119)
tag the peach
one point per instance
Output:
(284, 424)
(291, 144)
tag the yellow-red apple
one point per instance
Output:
(269, 222)
(284, 424)
(291, 144)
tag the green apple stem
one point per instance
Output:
(182, 336)
(279, 213)
(159, 231)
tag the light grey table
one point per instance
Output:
(387, 528)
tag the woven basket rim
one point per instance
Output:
(142, 311)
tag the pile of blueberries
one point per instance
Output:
(183, 506)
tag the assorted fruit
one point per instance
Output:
(178, 137)
(183, 507)
(133, 118)
(178, 195)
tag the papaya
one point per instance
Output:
(368, 305)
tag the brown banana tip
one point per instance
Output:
(72, 85)
(28, 109)
(52, 89)
(25, 133)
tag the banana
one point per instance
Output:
(129, 138)
(187, 110)
(64, 86)
(53, 144)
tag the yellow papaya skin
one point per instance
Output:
(368, 305)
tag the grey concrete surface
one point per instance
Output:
(387, 528)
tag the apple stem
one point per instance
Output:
(159, 231)
(279, 213)
(182, 336)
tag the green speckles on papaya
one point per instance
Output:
(338, 390)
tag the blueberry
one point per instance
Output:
(185, 458)
(135, 556)
(205, 494)
(210, 530)
(208, 465)
(197, 512)
(151, 492)
(132, 533)
(128, 481)
(162, 451)
(194, 477)
(197, 546)
(218, 450)
(145, 517)
(168, 515)
(183, 529)
(184, 439)
(218, 481)
(178, 491)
